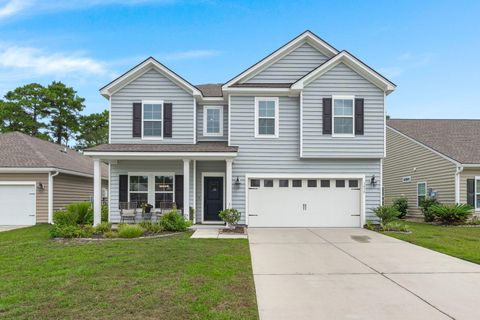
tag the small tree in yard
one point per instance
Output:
(401, 204)
(386, 214)
(230, 216)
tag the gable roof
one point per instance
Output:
(211, 89)
(140, 69)
(307, 36)
(354, 63)
(19, 150)
(456, 139)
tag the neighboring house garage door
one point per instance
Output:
(304, 202)
(17, 204)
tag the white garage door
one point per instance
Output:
(304, 202)
(17, 205)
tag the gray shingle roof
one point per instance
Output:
(210, 89)
(199, 147)
(18, 150)
(457, 139)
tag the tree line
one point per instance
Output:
(53, 113)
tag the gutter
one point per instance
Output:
(458, 171)
(51, 174)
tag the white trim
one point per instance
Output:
(46, 170)
(109, 190)
(141, 69)
(384, 126)
(97, 192)
(458, 172)
(25, 183)
(301, 124)
(307, 36)
(228, 183)
(157, 102)
(250, 90)
(352, 62)
(109, 119)
(343, 135)
(194, 120)
(276, 119)
(194, 205)
(186, 188)
(229, 110)
(426, 191)
(50, 195)
(151, 184)
(211, 174)
(161, 155)
(205, 121)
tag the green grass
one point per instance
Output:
(460, 242)
(164, 278)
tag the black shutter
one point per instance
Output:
(137, 120)
(359, 116)
(123, 188)
(327, 115)
(179, 191)
(471, 192)
(167, 120)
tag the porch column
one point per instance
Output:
(97, 192)
(186, 188)
(228, 184)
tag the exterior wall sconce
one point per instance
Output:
(373, 181)
(237, 182)
(40, 186)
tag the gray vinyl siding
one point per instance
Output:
(68, 188)
(281, 156)
(200, 136)
(205, 166)
(143, 166)
(341, 80)
(407, 158)
(292, 67)
(152, 85)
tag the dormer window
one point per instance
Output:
(343, 116)
(266, 117)
(152, 118)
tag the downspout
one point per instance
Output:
(50, 195)
(457, 183)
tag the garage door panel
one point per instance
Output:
(17, 205)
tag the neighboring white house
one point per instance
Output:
(296, 140)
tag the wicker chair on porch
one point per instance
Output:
(128, 211)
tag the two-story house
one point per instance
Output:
(295, 140)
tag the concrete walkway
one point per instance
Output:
(357, 274)
(8, 228)
(214, 233)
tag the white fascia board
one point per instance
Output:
(352, 62)
(470, 165)
(160, 155)
(213, 100)
(255, 91)
(307, 36)
(142, 68)
(47, 170)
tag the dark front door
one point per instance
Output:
(212, 198)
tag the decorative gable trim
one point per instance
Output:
(306, 37)
(140, 69)
(351, 61)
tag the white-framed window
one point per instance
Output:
(477, 192)
(266, 117)
(138, 189)
(164, 188)
(421, 192)
(213, 120)
(152, 119)
(343, 124)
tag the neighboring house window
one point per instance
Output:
(164, 189)
(266, 117)
(477, 192)
(421, 192)
(152, 117)
(213, 121)
(343, 111)
(138, 189)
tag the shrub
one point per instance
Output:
(451, 213)
(71, 231)
(230, 216)
(425, 207)
(151, 226)
(103, 227)
(110, 234)
(104, 213)
(65, 218)
(398, 226)
(83, 210)
(386, 213)
(173, 221)
(130, 231)
(401, 204)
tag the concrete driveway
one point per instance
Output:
(8, 228)
(316, 273)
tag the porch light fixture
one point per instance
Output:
(237, 182)
(373, 181)
(40, 186)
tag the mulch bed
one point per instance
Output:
(101, 238)
(236, 230)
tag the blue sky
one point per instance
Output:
(428, 48)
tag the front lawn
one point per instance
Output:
(460, 242)
(165, 278)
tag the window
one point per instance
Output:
(353, 183)
(138, 189)
(266, 117)
(164, 189)
(254, 183)
(477, 192)
(152, 117)
(213, 121)
(283, 183)
(343, 116)
(421, 192)
(340, 183)
(325, 183)
(268, 183)
(297, 183)
(312, 183)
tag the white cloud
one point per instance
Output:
(391, 72)
(12, 7)
(38, 62)
(190, 54)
